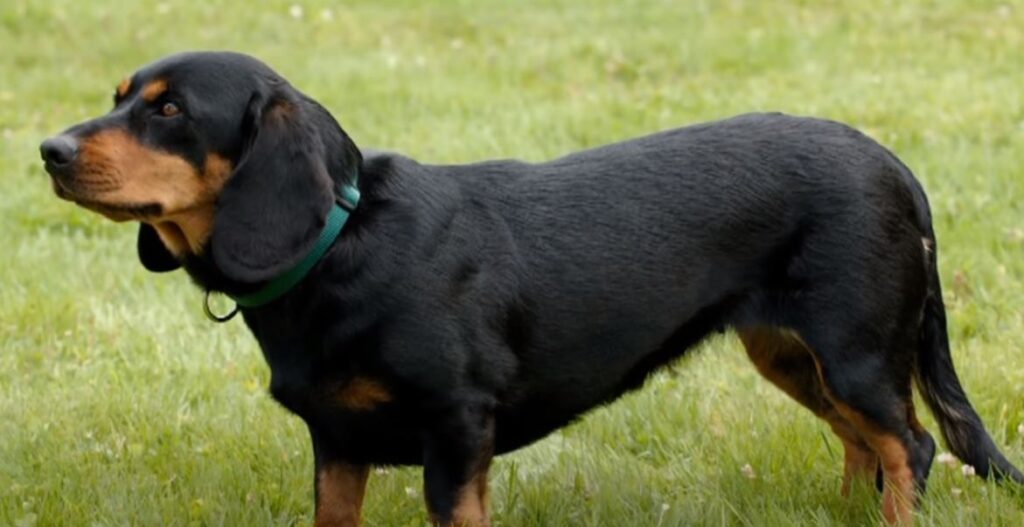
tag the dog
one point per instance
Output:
(439, 315)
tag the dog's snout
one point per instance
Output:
(59, 151)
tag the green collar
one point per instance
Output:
(284, 282)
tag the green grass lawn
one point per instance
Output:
(121, 404)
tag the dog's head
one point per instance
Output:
(214, 154)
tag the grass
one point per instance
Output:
(120, 404)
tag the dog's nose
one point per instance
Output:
(59, 151)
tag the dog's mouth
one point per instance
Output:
(84, 197)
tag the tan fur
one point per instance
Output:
(778, 354)
(471, 507)
(859, 461)
(362, 394)
(340, 491)
(898, 495)
(154, 90)
(766, 347)
(124, 87)
(117, 172)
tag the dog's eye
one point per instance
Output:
(169, 109)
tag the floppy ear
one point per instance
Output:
(153, 253)
(275, 204)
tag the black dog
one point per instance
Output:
(466, 311)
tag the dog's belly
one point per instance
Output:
(553, 400)
(384, 438)
(519, 427)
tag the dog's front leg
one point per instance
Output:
(339, 487)
(457, 451)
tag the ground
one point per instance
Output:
(120, 403)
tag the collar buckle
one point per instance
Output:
(348, 197)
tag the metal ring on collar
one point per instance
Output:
(210, 315)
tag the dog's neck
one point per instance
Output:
(203, 270)
(205, 274)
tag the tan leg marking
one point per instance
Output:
(472, 508)
(898, 496)
(340, 491)
(859, 461)
(898, 493)
(782, 357)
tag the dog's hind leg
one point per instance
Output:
(783, 358)
(865, 359)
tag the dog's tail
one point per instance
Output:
(937, 381)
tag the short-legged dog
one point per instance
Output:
(441, 315)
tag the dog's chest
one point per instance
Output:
(313, 390)
(294, 392)
(351, 394)
(358, 415)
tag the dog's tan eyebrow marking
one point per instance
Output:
(154, 89)
(124, 87)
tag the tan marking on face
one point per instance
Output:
(153, 90)
(187, 231)
(124, 87)
(118, 174)
(339, 498)
(362, 394)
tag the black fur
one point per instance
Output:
(152, 253)
(280, 190)
(501, 300)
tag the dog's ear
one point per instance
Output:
(153, 253)
(273, 207)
